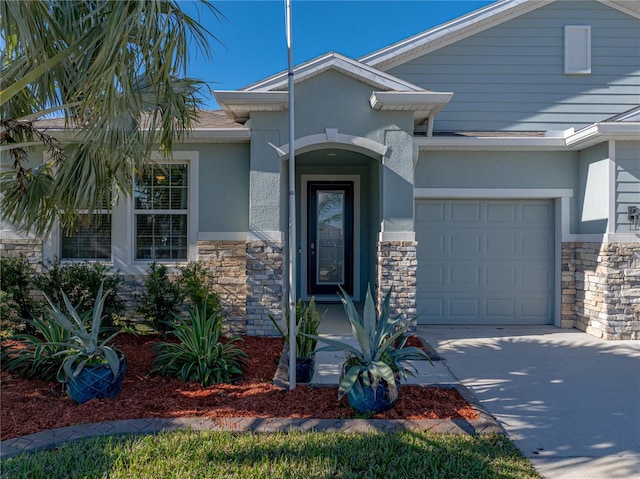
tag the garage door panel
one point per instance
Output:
(501, 213)
(539, 214)
(501, 245)
(485, 261)
(464, 308)
(535, 308)
(465, 276)
(464, 212)
(431, 212)
(463, 246)
(500, 308)
(503, 277)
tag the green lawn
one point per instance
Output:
(295, 455)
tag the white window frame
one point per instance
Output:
(577, 49)
(52, 245)
(102, 211)
(123, 224)
(124, 227)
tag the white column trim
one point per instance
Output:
(612, 220)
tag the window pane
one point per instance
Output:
(161, 236)
(163, 187)
(91, 241)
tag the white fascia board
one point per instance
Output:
(630, 7)
(450, 32)
(238, 104)
(414, 101)
(589, 136)
(599, 132)
(335, 61)
(489, 143)
(219, 135)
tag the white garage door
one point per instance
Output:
(485, 261)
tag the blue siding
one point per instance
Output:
(511, 77)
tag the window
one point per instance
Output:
(577, 49)
(161, 216)
(92, 241)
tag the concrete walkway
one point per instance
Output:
(570, 402)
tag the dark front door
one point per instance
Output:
(330, 236)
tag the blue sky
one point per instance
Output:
(253, 39)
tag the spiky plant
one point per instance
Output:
(200, 355)
(35, 356)
(307, 324)
(83, 346)
(377, 358)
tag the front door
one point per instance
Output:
(330, 237)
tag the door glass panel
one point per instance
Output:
(330, 237)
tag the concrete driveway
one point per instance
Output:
(569, 401)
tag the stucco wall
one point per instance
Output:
(627, 182)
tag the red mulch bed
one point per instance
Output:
(29, 406)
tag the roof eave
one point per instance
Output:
(424, 104)
(584, 138)
(239, 104)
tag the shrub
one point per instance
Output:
(196, 284)
(16, 303)
(160, 301)
(200, 355)
(35, 356)
(81, 282)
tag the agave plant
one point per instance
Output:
(35, 356)
(381, 353)
(307, 324)
(83, 347)
(200, 355)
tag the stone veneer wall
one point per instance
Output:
(227, 262)
(29, 248)
(601, 288)
(396, 269)
(265, 286)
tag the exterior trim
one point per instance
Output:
(255, 235)
(584, 138)
(332, 137)
(302, 265)
(611, 183)
(389, 236)
(497, 193)
(222, 236)
(335, 61)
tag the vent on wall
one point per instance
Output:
(577, 49)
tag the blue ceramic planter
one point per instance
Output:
(304, 369)
(367, 400)
(96, 382)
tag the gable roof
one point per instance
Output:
(390, 92)
(466, 26)
(337, 62)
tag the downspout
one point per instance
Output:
(293, 333)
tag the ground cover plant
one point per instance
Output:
(279, 455)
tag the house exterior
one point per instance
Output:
(488, 170)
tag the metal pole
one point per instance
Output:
(293, 332)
